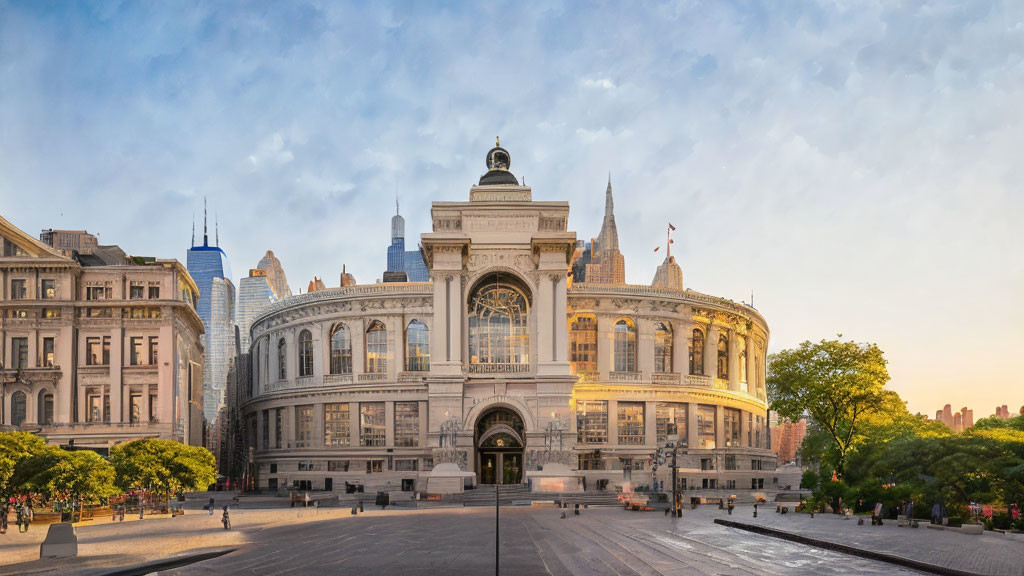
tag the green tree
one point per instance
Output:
(992, 423)
(15, 448)
(841, 385)
(83, 475)
(164, 465)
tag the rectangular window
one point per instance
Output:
(98, 404)
(731, 420)
(707, 464)
(51, 312)
(47, 289)
(135, 404)
(337, 465)
(336, 425)
(303, 426)
(266, 429)
(756, 483)
(154, 350)
(709, 484)
(18, 290)
(19, 353)
(755, 465)
(407, 424)
(590, 460)
(374, 466)
(135, 350)
(730, 484)
(705, 426)
(48, 353)
(152, 408)
(154, 292)
(93, 351)
(730, 462)
(406, 465)
(106, 350)
(19, 314)
(631, 423)
(278, 418)
(671, 413)
(372, 430)
(135, 291)
(99, 293)
(591, 421)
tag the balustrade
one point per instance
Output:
(665, 378)
(499, 368)
(623, 376)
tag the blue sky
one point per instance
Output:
(855, 165)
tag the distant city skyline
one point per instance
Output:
(852, 170)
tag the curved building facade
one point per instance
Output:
(503, 370)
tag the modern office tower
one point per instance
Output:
(275, 275)
(401, 260)
(254, 295)
(97, 351)
(209, 266)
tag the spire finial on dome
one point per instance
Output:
(497, 141)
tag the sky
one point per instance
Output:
(856, 167)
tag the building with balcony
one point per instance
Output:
(93, 353)
(498, 368)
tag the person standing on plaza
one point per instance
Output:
(212, 506)
(3, 519)
(226, 520)
(27, 515)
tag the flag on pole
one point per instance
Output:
(671, 227)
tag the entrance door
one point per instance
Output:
(499, 441)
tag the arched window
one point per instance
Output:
(723, 356)
(45, 408)
(583, 343)
(498, 323)
(697, 352)
(341, 349)
(417, 347)
(742, 342)
(377, 348)
(305, 353)
(625, 346)
(282, 360)
(18, 408)
(662, 348)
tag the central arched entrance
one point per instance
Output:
(499, 438)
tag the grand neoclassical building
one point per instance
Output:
(509, 367)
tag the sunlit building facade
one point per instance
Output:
(504, 368)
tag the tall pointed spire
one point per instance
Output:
(608, 239)
(205, 237)
(193, 228)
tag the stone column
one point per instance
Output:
(455, 313)
(645, 347)
(605, 345)
(396, 360)
(117, 346)
(317, 440)
(353, 424)
(389, 424)
(358, 331)
(543, 313)
(734, 361)
(424, 416)
(651, 423)
(719, 426)
(752, 383)
(318, 353)
(561, 323)
(165, 375)
(691, 425)
(711, 353)
(613, 423)
(682, 335)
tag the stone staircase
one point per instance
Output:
(509, 494)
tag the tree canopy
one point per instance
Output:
(841, 385)
(164, 464)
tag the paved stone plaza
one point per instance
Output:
(275, 540)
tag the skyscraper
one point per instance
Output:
(400, 260)
(254, 294)
(209, 267)
(275, 275)
(607, 265)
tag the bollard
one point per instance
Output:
(354, 511)
(576, 511)
(360, 506)
(755, 510)
(563, 514)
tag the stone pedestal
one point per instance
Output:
(61, 542)
(448, 478)
(554, 477)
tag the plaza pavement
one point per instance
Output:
(270, 538)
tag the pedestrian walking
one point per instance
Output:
(212, 506)
(3, 520)
(27, 517)
(226, 520)
(142, 509)
(122, 507)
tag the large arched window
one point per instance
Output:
(282, 359)
(723, 356)
(742, 342)
(18, 408)
(341, 349)
(417, 347)
(45, 407)
(498, 323)
(305, 353)
(377, 348)
(697, 352)
(625, 346)
(662, 348)
(583, 343)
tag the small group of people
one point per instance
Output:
(225, 519)
(25, 516)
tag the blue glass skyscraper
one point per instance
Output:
(209, 267)
(400, 260)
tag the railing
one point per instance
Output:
(588, 375)
(383, 289)
(373, 377)
(665, 378)
(623, 376)
(338, 378)
(641, 290)
(499, 368)
(698, 380)
(411, 376)
(721, 384)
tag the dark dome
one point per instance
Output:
(498, 162)
(498, 177)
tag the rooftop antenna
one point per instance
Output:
(216, 230)
(193, 228)
(668, 242)
(205, 237)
